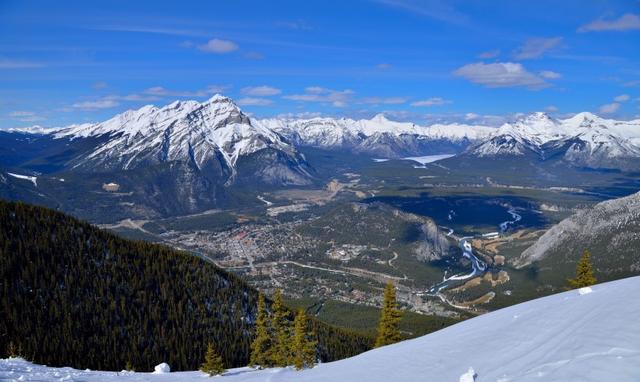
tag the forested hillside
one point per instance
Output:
(72, 294)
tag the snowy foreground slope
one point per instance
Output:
(565, 337)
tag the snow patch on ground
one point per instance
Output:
(32, 179)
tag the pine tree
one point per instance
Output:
(129, 366)
(303, 344)
(213, 364)
(388, 328)
(584, 272)
(281, 349)
(261, 345)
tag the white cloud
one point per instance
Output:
(625, 22)
(301, 115)
(219, 46)
(337, 98)
(609, 108)
(384, 101)
(260, 91)
(536, 48)
(383, 66)
(433, 101)
(633, 83)
(622, 98)
(551, 109)
(548, 74)
(25, 116)
(489, 54)
(254, 101)
(160, 91)
(99, 85)
(104, 103)
(501, 75)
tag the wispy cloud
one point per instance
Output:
(254, 56)
(25, 116)
(337, 98)
(254, 101)
(489, 54)
(103, 103)
(99, 85)
(260, 91)
(548, 74)
(384, 100)
(622, 98)
(501, 75)
(536, 48)
(433, 101)
(301, 115)
(625, 22)
(609, 108)
(6, 63)
(435, 9)
(160, 91)
(219, 46)
(383, 66)
(152, 30)
(294, 25)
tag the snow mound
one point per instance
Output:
(585, 290)
(162, 368)
(563, 337)
(469, 376)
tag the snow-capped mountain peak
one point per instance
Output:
(584, 139)
(212, 134)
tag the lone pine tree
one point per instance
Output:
(261, 345)
(213, 364)
(388, 328)
(584, 272)
(304, 345)
(281, 350)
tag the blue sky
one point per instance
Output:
(78, 61)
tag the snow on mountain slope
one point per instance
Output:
(582, 140)
(571, 336)
(183, 130)
(379, 135)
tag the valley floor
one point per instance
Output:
(570, 336)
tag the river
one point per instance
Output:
(478, 266)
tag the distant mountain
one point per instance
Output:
(610, 230)
(379, 136)
(180, 158)
(584, 140)
(212, 137)
(76, 295)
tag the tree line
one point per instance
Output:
(74, 295)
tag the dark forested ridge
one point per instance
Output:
(72, 294)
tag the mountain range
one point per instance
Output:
(584, 140)
(191, 156)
